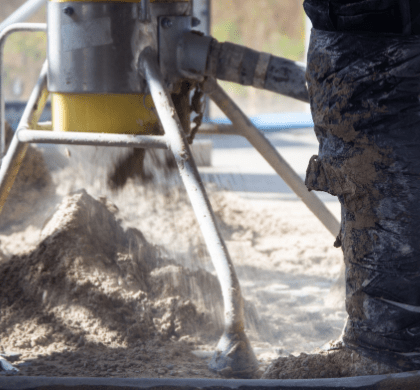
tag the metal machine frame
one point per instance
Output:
(234, 350)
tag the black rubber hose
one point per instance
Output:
(239, 64)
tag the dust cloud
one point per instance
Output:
(105, 283)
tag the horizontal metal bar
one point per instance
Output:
(97, 139)
(205, 128)
(405, 380)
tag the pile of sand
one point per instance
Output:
(89, 295)
(284, 257)
(92, 289)
(96, 298)
(338, 363)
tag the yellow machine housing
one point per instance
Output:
(104, 113)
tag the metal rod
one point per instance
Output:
(24, 12)
(190, 176)
(234, 350)
(18, 27)
(6, 366)
(44, 126)
(241, 122)
(222, 129)
(16, 153)
(97, 139)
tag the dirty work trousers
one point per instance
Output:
(364, 92)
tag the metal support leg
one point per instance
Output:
(16, 153)
(244, 127)
(234, 354)
(18, 27)
(24, 12)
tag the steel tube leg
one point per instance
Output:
(245, 127)
(24, 12)
(16, 153)
(234, 354)
(4, 34)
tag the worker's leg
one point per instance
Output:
(377, 16)
(364, 89)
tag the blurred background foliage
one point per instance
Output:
(273, 26)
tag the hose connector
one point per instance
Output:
(199, 56)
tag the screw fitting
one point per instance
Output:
(68, 11)
(195, 22)
(166, 23)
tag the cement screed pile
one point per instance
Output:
(121, 285)
(90, 285)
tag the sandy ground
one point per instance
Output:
(284, 258)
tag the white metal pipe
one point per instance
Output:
(24, 12)
(16, 153)
(97, 139)
(4, 34)
(215, 128)
(195, 189)
(242, 123)
(234, 349)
